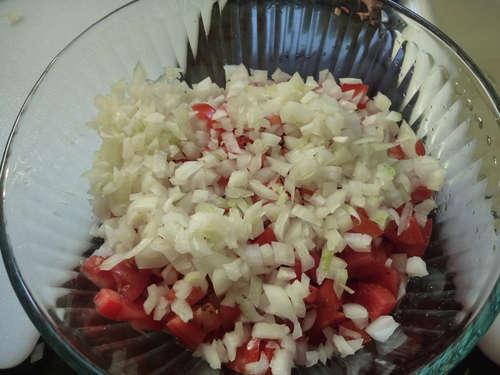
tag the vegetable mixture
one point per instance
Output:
(268, 224)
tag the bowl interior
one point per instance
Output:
(47, 215)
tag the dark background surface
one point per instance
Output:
(474, 364)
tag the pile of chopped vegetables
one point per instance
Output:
(269, 224)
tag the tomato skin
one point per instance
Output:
(397, 152)
(114, 306)
(420, 148)
(91, 269)
(204, 111)
(189, 334)
(366, 226)
(266, 237)
(420, 194)
(377, 299)
(130, 281)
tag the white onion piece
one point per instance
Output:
(259, 367)
(382, 328)
(416, 267)
(271, 331)
(358, 241)
(354, 311)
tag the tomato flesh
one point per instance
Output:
(327, 296)
(204, 111)
(266, 237)
(377, 299)
(365, 225)
(420, 148)
(420, 194)
(91, 270)
(412, 235)
(228, 316)
(130, 281)
(188, 333)
(397, 152)
(114, 306)
(274, 120)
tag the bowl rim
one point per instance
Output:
(79, 362)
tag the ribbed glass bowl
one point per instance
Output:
(46, 214)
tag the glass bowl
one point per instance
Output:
(46, 214)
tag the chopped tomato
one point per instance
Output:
(362, 265)
(266, 237)
(228, 316)
(91, 270)
(358, 88)
(274, 119)
(204, 111)
(305, 192)
(377, 299)
(397, 152)
(196, 295)
(366, 226)
(410, 236)
(312, 298)
(420, 148)
(114, 306)
(268, 348)
(328, 316)
(207, 317)
(189, 333)
(247, 353)
(327, 296)
(387, 277)
(418, 250)
(222, 181)
(130, 281)
(420, 194)
(243, 140)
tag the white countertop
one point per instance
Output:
(47, 26)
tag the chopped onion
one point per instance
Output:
(258, 368)
(354, 311)
(182, 309)
(416, 267)
(358, 241)
(382, 328)
(271, 331)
